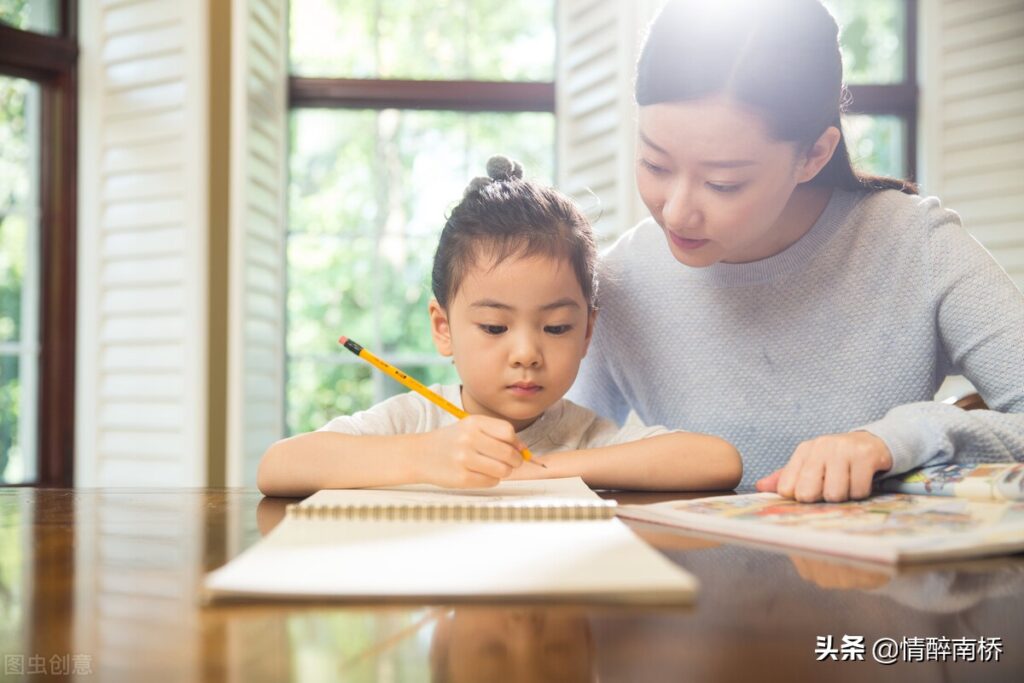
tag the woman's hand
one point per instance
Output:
(835, 575)
(475, 452)
(834, 468)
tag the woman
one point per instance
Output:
(777, 298)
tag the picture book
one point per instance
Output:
(889, 528)
(549, 539)
(996, 481)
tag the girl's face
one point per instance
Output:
(517, 331)
(719, 184)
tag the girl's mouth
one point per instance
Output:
(524, 388)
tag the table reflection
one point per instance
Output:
(113, 575)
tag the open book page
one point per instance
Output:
(887, 528)
(593, 561)
(995, 481)
(568, 490)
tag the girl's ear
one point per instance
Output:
(818, 155)
(440, 330)
(591, 321)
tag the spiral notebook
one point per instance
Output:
(522, 540)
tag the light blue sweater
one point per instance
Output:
(854, 326)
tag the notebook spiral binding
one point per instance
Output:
(596, 510)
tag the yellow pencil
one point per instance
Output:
(411, 383)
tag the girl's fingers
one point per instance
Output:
(499, 450)
(488, 466)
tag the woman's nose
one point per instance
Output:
(679, 210)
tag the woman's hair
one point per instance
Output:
(501, 216)
(780, 57)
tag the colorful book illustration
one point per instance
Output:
(996, 481)
(521, 540)
(888, 528)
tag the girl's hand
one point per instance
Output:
(475, 452)
(834, 468)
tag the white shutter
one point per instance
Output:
(598, 44)
(142, 287)
(973, 119)
(257, 234)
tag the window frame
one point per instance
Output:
(896, 99)
(307, 92)
(52, 62)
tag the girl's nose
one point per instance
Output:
(525, 352)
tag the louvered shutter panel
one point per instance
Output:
(143, 221)
(598, 44)
(973, 105)
(257, 244)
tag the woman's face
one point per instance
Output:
(717, 182)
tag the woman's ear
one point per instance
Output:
(440, 329)
(818, 155)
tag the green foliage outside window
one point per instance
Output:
(369, 194)
(14, 180)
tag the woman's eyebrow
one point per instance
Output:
(711, 163)
(727, 163)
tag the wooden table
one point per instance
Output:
(105, 582)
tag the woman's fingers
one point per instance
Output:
(770, 483)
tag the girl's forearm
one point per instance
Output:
(306, 463)
(668, 462)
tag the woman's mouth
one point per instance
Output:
(684, 243)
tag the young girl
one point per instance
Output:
(804, 311)
(514, 306)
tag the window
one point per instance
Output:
(878, 44)
(37, 237)
(394, 106)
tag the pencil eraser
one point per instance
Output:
(342, 339)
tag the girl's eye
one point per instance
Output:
(653, 168)
(494, 329)
(557, 329)
(725, 188)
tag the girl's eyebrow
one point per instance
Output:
(724, 163)
(493, 303)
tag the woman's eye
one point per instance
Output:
(725, 188)
(494, 329)
(557, 329)
(653, 168)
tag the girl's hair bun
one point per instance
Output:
(502, 168)
(499, 168)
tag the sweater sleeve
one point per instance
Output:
(979, 318)
(595, 388)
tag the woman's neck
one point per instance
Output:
(801, 212)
